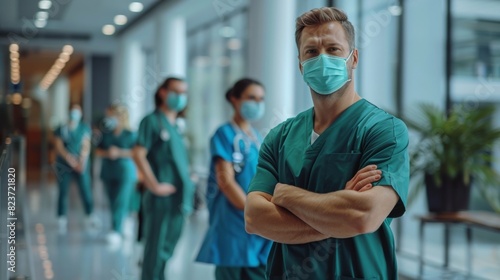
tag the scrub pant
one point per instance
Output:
(119, 194)
(240, 273)
(162, 229)
(83, 182)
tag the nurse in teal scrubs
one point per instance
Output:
(118, 171)
(72, 144)
(234, 151)
(330, 181)
(162, 158)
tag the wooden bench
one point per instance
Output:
(471, 219)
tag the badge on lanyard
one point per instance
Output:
(164, 135)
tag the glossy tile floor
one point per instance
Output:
(78, 255)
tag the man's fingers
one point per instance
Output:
(365, 188)
(373, 178)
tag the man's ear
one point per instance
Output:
(355, 59)
(300, 65)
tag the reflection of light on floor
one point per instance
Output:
(43, 253)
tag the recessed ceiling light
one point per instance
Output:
(120, 20)
(136, 7)
(40, 23)
(68, 49)
(42, 15)
(108, 29)
(14, 48)
(44, 4)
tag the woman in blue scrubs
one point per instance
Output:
(118, 171)
(234, 152)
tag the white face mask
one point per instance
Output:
(75, 115)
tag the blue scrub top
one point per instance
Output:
(226, 242)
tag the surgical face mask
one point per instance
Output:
(326, 74)
(110, 123)
(75, 115)
(252, 110)
(176, 102)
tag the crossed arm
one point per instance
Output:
(293, 215)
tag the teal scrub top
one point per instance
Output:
(363, 134)
(226, 242)
(120, 168)
(168, 157)
(72, 139)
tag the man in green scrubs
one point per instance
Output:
(330, 180)
(161, 156)
(72, 144)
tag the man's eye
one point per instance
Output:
(310, 51)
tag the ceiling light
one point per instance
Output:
(40, 23)
(395, 10)
(14, 48)
(136, 7)
(42, 15)
(120, 20)
(44, 4)
(108, 29)
(68, 49)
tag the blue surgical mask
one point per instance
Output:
(252, 110)
(75, 115)
(176, 102)
(325, 74)
(110, 123)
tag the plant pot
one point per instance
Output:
(452, 196)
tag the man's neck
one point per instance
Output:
(328, 108)
(170, 114)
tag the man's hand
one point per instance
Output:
(280, 191)
(113, 152)
(71, 160)
(163, 189)
(364, 178)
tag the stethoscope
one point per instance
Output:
(164, 135)
(238, 156)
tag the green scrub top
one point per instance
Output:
(168, 157)
(72, 139)
(120, 168)
(362, 135)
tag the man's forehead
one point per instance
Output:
(330, 30)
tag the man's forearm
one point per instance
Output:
(333, 214)
(273, 222)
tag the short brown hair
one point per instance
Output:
(324, 15)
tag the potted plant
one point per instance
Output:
(450, 152)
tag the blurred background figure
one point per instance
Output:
(72, 143)
(234, 150)
(118, 171)
(162, 158)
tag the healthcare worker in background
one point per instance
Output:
(118, 171)
(330, 181)
(72, 144)
(234, 152)
(162, 158)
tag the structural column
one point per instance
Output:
(273, 56)
(134, 91)
(171, 46)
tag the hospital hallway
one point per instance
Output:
(203, 102)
